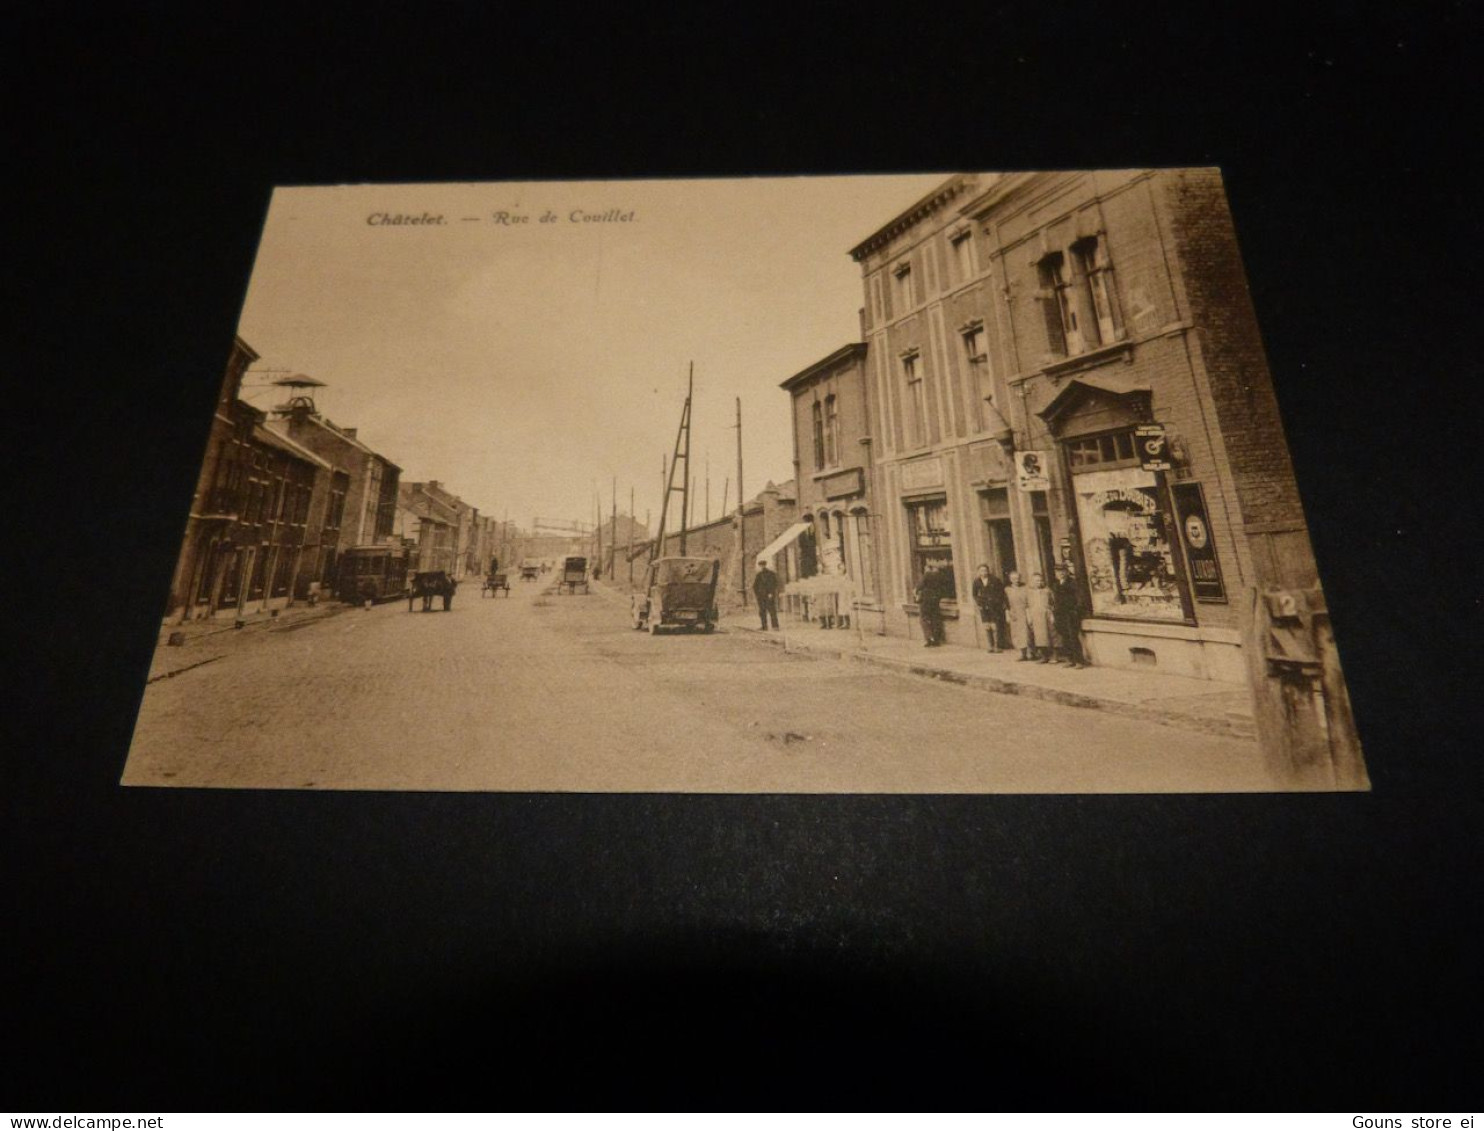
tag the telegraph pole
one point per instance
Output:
(690, 386)
(613, 529)
(741, 516)
(631, 535)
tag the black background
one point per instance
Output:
(179, 949)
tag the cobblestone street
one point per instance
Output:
(556, 692)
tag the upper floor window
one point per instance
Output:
(961, 249)
(902, 273)
(1059, 303)
(1092, 265)
(916, 401)
(831, 431)
(818, 421)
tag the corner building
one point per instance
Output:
(1067, 367)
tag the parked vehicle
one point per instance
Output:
(528, 571)
(494, 584)
(677, 593)
(574, 573)
(373, 573)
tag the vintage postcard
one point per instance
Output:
(956, 483)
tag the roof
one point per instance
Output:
(846, 352)
(1077, 387)
(329, 426)
(283, 443)
(950, 188)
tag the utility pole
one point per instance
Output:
(690, 386)
(631, 535)
(708, 488)
(741, 516)
(613, 529)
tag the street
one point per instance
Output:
(548, 692)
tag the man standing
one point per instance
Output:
(1067, 611)
(930, 594)
(765, 589)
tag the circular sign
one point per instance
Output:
(1195, 532)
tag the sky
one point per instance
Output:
(528, 365)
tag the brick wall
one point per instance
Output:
(1240, 385)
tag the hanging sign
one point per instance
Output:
(1200, 547)
(1153, 446)
(1032, 472)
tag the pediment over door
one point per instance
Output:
(1097, 404)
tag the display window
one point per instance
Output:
(1127, 546)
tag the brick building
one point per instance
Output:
(1066, 366)
(260, 508)
(361, 496)
(831, 559)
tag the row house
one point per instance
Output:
(359, 492)
(472, 544)
(257, 512)
(829, 561)
(1062, 367)
(428, 525)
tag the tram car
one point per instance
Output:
(374, 573)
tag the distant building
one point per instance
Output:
(430, 525)
(1066, 366)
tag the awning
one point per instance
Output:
(776, 546)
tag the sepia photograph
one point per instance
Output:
(933, 484)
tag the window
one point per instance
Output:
(1063, 328)
(961, 254)
(973, 337)
(931, 544)
(818, 419)
(831, 431)
(903, 291)
(916, 402)
(1092, 264)
(1112, 451)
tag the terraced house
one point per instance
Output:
(1066, 367)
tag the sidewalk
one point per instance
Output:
(204, 641)
(1171, 700)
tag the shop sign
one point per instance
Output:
(1032, 471)
(1154, 447)
(844, 484)
(1200, 547)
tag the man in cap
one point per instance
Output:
(765, 589)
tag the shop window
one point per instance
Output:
(931, 539)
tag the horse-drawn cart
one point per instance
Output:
(494, 585)
(529, 571)
(574, 574)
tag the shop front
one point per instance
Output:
(1141, 543)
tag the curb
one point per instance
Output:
(1225, 727)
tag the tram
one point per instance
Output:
(374, 573)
